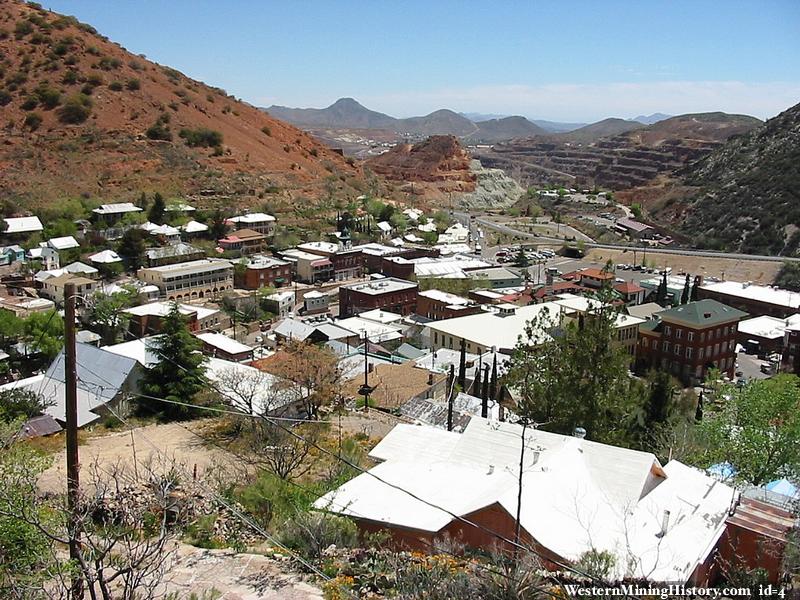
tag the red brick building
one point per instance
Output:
(348, 263)
(595, 278)
(394, 295)
(438, 305)
(690, 339)
(265, 271)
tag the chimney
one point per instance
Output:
(664, 524)
(579, 433)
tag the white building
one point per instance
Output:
(22, 225)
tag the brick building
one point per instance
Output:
(147, 319)
(690, 339)
(244, 242)
(756, 300)
(265, 271)
(437, 305)
(348, 263)
(395, 295)
(595, 278)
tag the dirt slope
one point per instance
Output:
(50, 63)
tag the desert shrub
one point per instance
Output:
(23, 28)
(5, 97)
(87, 89)
(309, 533)
(48, 97)
(61, 49)
(30, 103)
(33, 120)
(160, 129)
(38, 38)
(76, 109)
(201, 137)
(87, 28)
(64, 22)
(266, 131)
(108, 63)
(93, 50)
(95, 79)
(135, 65)
(171, 74)
(70, 60)
(218, 151)
(133, 84)
(70, 77)
(210, 97)
(115, 86)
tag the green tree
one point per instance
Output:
(44, 333)
(156, 214)
(694, 295)
(573, 374)
(218, 227)
(789, 276)
(178, 376)
(686, 295)
(11, 327)
(521, 260)
(107, 313)
(132, 247)
(661, 293)
(16, 403)
(757, 431)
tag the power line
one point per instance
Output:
(361, 470)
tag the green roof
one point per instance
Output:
(702, 312)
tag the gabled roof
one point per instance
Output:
(118, 208)
(23, 225)
(63, 243)
(105, 257)
(628, 287)
(194, 227)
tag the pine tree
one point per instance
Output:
(686, 291)
(476, 385)
(522, 259)
(661, 294)
(695, 287)
(179, 375)
(462, 366)
(493, 381)
(698, 414)
(485, 393)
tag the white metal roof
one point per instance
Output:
(759, 293)
(118, 208)
(577, 494)
(194, 227)
(381, 286)
(105, 257)
(224, 343)
(166, 230)
(258, 217)
(163, 308)
(328, 247)
(764, 326)
(446, 297)
(63, 243)
(376, 332)
(79, 267)
(381, 316)
(23, 225)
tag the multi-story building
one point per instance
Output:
(437, 305)
(690, 339)
(595, 278)
(266, 271)
(260, 222)
(171, 254)
(309, 268)
(146, 319)
(244, 242)
(395, 295)
(756, 300)
(53, 288)
(194, 279)
(348, 263)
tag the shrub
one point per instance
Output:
(133, 84)
(108, 63)
(5, 97)
(22, 28)
(48, 97)
(201, 137)
(33, 120)
(87, 89)
(70, 77)
(266, 131)
(159, 129)
(93, 50)
(135, 65)
(95, 79)
(76, 109)
(309, 533)
(115, 86)
(30, 103)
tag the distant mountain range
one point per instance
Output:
(347, 113)
(651, 119)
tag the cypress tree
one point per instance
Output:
(695, 287)
(493, 382)
(462, 366)
(686, 291)
(485, 394)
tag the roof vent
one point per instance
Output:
(664, 524)
(491, 470)
(579, 433)
(707, 315)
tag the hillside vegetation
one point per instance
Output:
(748, 196)
(84, 117)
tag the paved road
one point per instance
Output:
(487, 224)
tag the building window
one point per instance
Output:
(679, 333)
(703, 336)
(665, 346)
(644, 342)
(678, 349)
(667, 330)
(690, 336)
(689, 352)
(700, 353)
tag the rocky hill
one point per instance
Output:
(82, 116)
(345, 113)
(594, 131)
(507, 128)
(626, 160)
(440, 159)
(745, 196)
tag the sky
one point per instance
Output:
(565, 60)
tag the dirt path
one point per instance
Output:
(149, 444)
(235, 576)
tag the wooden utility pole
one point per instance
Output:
(450, 381)
(73, 466)
(517, 524)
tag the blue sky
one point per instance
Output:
(561, 60)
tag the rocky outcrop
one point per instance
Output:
(494, 189)
(440, 159)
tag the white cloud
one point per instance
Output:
(590, 102)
